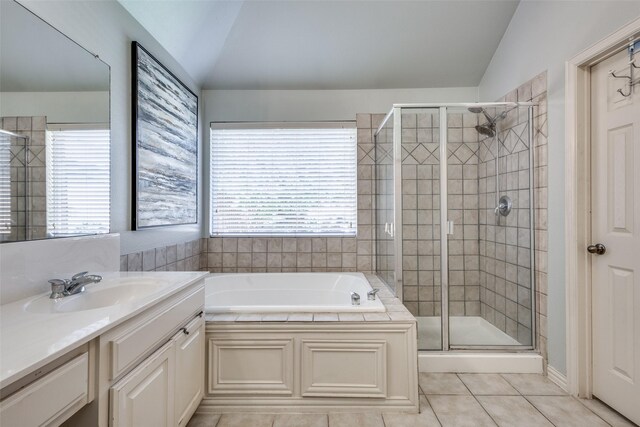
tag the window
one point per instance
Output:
(283, 179)
(77, 180)
(5, 184)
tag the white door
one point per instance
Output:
(144, 397)
(615, 193)
(189, 389)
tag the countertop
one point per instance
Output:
(30, 340)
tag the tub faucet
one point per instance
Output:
(65, 287)
(355, 298)
(371, 295)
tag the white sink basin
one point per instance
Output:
(96, 297)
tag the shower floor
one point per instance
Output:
(463, 330)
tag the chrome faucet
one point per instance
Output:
(65, 287)
(355, 298)
(371, 295)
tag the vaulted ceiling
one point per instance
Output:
(328, 44)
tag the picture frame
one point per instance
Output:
(165, 145)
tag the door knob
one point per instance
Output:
(597, 249)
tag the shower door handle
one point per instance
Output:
(388, 228)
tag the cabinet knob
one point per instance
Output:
(184, 330)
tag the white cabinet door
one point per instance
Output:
(144, 397)
(189, 385)
(615, 185)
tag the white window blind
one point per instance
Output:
(77, 180)
(293, 179)
(5, 184)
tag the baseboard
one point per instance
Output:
(480, 363)
(557, 377)
(217, 405)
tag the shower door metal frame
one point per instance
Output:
(444, 232)
(397, 201)
(396, 113)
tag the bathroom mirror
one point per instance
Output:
(54, 137)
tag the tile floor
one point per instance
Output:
(456, 400)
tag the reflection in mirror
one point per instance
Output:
(54, 143)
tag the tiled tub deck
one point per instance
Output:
(313, 362)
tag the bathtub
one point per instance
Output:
(288, 292)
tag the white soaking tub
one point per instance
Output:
(288, 292)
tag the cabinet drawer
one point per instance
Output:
(130, 346)
(51, 399)
(344, 368)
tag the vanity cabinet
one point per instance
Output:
(51, 399)
(152, 366)
(143, 397)
(167, 387)
(189, 385)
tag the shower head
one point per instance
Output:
(478, 110)
(488, 129)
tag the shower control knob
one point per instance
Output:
(597, 249)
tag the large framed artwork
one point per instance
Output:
(165, 145)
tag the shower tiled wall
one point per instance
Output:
(421, 213)
(302, 254)
(505, 243)
(28, 177)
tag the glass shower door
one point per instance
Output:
(385, 202)
(489, 256)
(420, 213)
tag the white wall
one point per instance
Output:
(58, 107)
(106, 29)
(309, 105)
(543, 35)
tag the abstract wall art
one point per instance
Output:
(165, 145)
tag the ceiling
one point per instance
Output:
(328, 44)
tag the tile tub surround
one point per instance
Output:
(505, 245)
(462, 400)
(308, 254)
(179, 257)
(31, 210)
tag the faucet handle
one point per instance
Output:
(371, 295)
(79, 275)
(355, 298)
(58, 287)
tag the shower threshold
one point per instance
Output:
(472, 331)
(463, 331)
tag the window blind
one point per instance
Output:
(5, 184)
(77, 181)
(283, 180)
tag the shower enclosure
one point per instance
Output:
(454, 221)
(13, 187)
